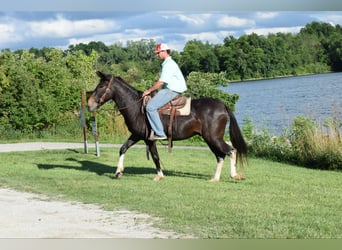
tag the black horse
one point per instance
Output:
(208, 118)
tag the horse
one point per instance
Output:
(208, 118)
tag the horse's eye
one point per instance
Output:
(102, 86)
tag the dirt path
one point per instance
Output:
(26, 215)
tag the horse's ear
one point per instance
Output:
(100, 74)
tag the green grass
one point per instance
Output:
(275, 201)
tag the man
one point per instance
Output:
(171, 82)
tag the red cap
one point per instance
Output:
(161, 47)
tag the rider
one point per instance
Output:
(172, 82)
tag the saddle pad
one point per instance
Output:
(186, 109)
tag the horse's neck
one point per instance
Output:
(129, 105)
(126, 98)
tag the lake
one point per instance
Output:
(274, 103)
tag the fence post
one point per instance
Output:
(95, 133)
(83, 122)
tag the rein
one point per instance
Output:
(126, 107)
(107, 90)
(102, 99)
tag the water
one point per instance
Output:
(273, 104)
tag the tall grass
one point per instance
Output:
(306, 143)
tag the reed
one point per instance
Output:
(306, 143)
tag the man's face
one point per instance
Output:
(162, 54)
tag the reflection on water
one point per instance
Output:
(274, 103)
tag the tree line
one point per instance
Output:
(315, 49)
(40, 88)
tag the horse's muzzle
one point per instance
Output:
(92, 104)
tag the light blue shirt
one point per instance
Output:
(172, 76)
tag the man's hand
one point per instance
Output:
(146, 92)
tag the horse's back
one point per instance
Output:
(208, 105)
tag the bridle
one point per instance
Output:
(102, 99)
(109, 86)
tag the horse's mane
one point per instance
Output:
(130, 89)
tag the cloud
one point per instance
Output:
(11, 31)
(7, 33)
(274, 30)
(194, 19)
(211, 37)
(21, 30)
(234, 22)
(62, 27)
(116, 37)
(266, 15)
(332, 18)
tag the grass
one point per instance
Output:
(275, 201)
(306, 143)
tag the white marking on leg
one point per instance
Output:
(120, 167)
(159, 176)
(219, 166)
(233, 164)
(233, 172)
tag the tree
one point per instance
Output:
(207, 84)
(198, 56)
(41, 89)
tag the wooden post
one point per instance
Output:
(95, 133)
(83, 122)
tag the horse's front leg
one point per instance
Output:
(217, 176)
(155, 156)
(129, 143)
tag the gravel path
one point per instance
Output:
(30, 146)
(26, 215)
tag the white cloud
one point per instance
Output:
(234, 22)
(23, 30)
(194, 19)
(62, 27)
(7, 33)
(330, 18)
(266, 15)
(118, 37)
(211, 37)
(266, 31)
(11, 31)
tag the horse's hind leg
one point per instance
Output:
(120, 167)
(221, 149)
(155, 156)
(233, 172)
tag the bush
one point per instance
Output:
(315, 147)
(306, 144)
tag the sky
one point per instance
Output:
(61, 26)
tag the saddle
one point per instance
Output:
(179, 106)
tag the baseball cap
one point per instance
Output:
(161, 47)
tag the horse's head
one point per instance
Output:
(102, 92)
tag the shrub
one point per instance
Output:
(316, 147)
(306, 144)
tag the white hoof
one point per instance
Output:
(238, 177)
(158, 178)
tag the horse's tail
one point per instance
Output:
(236, 137)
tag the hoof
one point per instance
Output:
(214, 180)
(118, 175)
(238, 177)
(158, 178)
